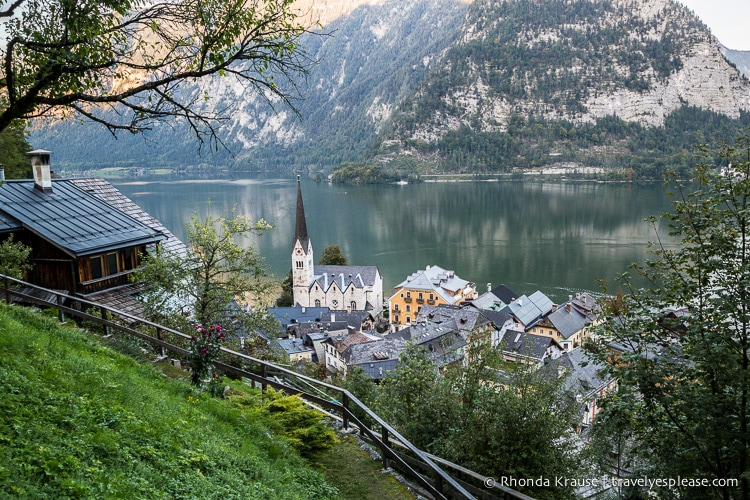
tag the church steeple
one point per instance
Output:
(300, 229)
(303, 268)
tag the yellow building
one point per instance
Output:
(433, 285)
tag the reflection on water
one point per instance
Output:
(556, 237)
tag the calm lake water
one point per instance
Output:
(550, 236)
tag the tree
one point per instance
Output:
(202, 287)
(685, 338)
(13, 148)
(14, 258)
(81, 57)
(286, 299)
(332, 256)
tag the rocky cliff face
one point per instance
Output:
(394, 76)
(637, 60)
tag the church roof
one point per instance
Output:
(343, 276)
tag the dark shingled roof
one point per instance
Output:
(504, 293)
(343, 276)
(526, 344)
(72, 219)
(568, 320)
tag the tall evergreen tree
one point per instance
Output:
(684, 339)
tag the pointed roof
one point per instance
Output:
(300, 229)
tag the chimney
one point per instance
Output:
(40, 167)
(489, 287)
(333, 317)
(2, 173)
(567, 307)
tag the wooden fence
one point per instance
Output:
(395, 451)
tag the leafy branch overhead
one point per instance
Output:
(65, 58)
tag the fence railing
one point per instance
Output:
(409, 460)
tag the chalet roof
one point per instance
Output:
(528, 310)
(568, 320)
(443, 341)
(105, 191)
(376, 358)
(465, 318)
(293, 346)
(297, 314)
(583, 375)
(352, 318)
(438, 280)
(504, 293)
(72, 219)
(526, 344)
(488, 301)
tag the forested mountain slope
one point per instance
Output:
(485, 86)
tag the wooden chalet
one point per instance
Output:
(80, 243)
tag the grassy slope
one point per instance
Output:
(80, 420)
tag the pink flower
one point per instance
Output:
(204, 351)
(218, 328)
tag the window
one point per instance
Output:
(432, 297)
(408, 319)
(420, 295)
(395, 307)
(300, 264)
(317, 302)
(96, 267)
(354, 305)
(408, 308)
(129, 254)
(112, 263)
(408, 295)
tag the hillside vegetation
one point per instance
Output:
(80, 420)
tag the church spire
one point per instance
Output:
(300, 230)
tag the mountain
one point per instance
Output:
(740, 58)
(485, 86)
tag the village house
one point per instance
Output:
(522, 347)
(86, 237)
(350, 288)
(377, 358)
(528, 311)
(431, 286)
(293, 350)
(584, 378)
(335, 346)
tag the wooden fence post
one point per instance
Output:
(7, 289)
(384, 451)
(103, 312)
(60, 313)
(344, 413)
(160, 336)
(264, 374)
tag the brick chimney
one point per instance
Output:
(40, 167)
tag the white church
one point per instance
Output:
(349, 288)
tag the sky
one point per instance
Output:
(728, 20)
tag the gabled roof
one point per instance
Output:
(583, 375)
(504, 293)
(351, 318)
(343, 276)
(438, 280)
(376, 358)
(529, 310)
(526, 344)
(488, 301)
(105, 191)
(465, 318)
(73, 220)
(568, 320)
(297, 314)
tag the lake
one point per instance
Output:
(556, 237)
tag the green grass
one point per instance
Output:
(357, 476)
(80, 420)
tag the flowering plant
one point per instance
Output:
(204, 349)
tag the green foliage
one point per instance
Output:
(299, 424)
(690, 367)
(286, 299)
(498, 423)
(333, 256)
(62, 57)
(205, 346)
(13, 149)
(78, 420)
(352, 173)
(14, 258)
(200, 288)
